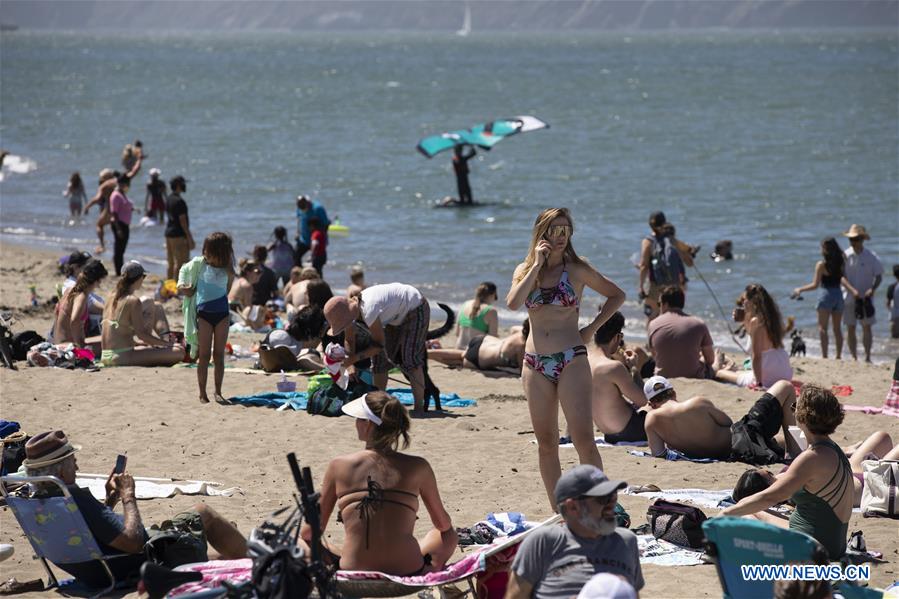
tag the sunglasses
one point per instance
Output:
(854, 239)
(558, 231)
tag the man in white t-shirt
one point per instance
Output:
(864, 272)
(397, 316)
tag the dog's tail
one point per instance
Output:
(791, 322)
(447, 326)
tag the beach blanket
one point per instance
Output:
(565, 442)
(662, 553)
(298, 400)
(156, 488)
(673, 456)
(700, 497)
(884, 411)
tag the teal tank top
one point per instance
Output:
(815, 516)
(212, 289)
(478, 322)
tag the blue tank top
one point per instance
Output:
(212, 289)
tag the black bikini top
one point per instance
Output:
(370, 504)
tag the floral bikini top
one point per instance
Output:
(561, 295)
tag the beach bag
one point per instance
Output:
(751, 447)
(327, 401)
(676, 523)
(178, 541)
(880, 495)
(317, 381)
(666, 263)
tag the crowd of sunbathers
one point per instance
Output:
(584, 369)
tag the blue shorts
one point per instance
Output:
(830, 299)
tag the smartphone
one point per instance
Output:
(739, 314)
(120, 462)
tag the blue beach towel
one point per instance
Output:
(673, 456)
(297, 400)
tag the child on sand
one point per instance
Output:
(204, 282)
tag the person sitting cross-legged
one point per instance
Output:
(51, 454)
(557, 561)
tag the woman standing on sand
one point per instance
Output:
(829, 277)
(550, 283)
(759, 313)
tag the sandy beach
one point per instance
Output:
(483, 456)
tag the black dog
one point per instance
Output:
(798, 346)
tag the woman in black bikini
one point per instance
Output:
(376, 493)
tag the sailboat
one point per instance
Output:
(466, 24)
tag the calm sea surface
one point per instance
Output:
(773, 140)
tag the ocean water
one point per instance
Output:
(771, 139)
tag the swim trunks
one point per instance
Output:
(635, 430)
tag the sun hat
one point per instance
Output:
(654, 386)
(338, 314)
(133, 270)
(47, 449)
(585, 480)
(607, 586)
(857, 231)
(358, 408)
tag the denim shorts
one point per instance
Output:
(830, 299)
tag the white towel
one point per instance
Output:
(156, 488)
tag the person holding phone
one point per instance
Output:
(550, 283)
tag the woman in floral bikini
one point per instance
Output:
(556, 371)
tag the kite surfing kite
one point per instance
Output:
(483, 136)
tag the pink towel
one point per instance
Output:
(214, 572)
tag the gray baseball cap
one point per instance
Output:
(585, 480)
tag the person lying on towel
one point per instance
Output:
(698, 429)
(377, 492)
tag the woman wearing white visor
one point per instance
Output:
(376, 492)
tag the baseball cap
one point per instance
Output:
(585, 480)
(607, 586)
(155, 172)
(78, 258)
(133, 270)
(654, 386)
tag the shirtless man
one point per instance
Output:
(487, 352)
(107, 185)
(700, 430)
(616, 395)
(295, 298)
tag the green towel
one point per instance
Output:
(187, 277)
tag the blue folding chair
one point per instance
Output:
(56, 529)
(735, 542)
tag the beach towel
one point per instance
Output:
(298, 400)
(156, 488)
(838, 390)
(510, 523)
(662, 553)
(673, 456)
(699, 497)
(187, 277)
(565, 442)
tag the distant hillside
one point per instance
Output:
(447, 15)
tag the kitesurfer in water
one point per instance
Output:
(460, 166)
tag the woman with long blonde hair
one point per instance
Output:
(550, 283)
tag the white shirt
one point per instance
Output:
(862, 269)
(390, 303)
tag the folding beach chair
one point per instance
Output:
(56, 529)
(735, 542)
(352, 583)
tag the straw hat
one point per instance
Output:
(856, 231)
(47, 449)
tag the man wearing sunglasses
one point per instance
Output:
(557, 561)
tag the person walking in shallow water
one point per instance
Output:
(550, 283)
(460, 167)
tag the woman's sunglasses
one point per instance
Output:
(558, 231)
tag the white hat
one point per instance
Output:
(358, 408)
(654, 386)
(607, 586)
(155, 171)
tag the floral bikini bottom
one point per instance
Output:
(552, 365)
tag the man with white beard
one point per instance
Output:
(557, 561)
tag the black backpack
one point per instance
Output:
(666, 264)
(281, 575)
